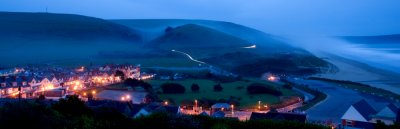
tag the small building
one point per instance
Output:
(220, 107)
(155, 108)
(126, 108)
(279, 116)
(218, 114)
(54, 94)
(204, 113)
(359, 115)
(387, 115)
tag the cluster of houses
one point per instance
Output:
(362, 115)
(58, 82)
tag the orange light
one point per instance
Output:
(93, 92)
(128, 96)
(84, 94)
(271, 78)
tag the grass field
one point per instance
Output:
(229, 89)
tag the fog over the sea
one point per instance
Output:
(306, 22)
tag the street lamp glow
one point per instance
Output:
(232, 108)
(123, 98)
(195, 103)
(166, 103)
(93, 92)
(128, 96)
(271, 78)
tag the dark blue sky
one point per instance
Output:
(284, 17)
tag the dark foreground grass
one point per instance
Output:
(74, 114)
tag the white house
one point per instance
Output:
(359, 115)
(387, 115)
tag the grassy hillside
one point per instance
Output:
(153, 28)
(193, 36)
(64, 39)
(42, 26)
(27, 38)
(226, 51)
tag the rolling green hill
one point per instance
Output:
(226, 51)
(27, 38)
(153, 28)
(65, 39)
(195, 36)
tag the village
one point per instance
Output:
(90, 84)
(54, 83)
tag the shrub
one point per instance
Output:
(172, 88)
(218, 88)
(135, 83)
(195, 87)
(287, 86)
(258, 88)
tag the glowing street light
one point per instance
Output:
(259, 105)
(166, 103)
(93, 92)
(123, 98)
(84, 93)
(271, 78)
(128, 96)
(195, 103)
(232, 108)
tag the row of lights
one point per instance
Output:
(126, 97)
(93, 93)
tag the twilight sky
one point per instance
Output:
(282, 17)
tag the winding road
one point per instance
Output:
(189, 56)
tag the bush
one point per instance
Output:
(287, 86)
(195, 87)
(258, 88)
(135, 83)
(172, 88)
(218, 88)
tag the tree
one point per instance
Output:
(172, 88)
(195, 87)
(218, 88)
(120, 74)
(135, 83)
(72, 106)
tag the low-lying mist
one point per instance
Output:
(365, 53)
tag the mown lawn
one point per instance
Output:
(229, 89)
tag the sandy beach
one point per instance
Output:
(359, 72)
